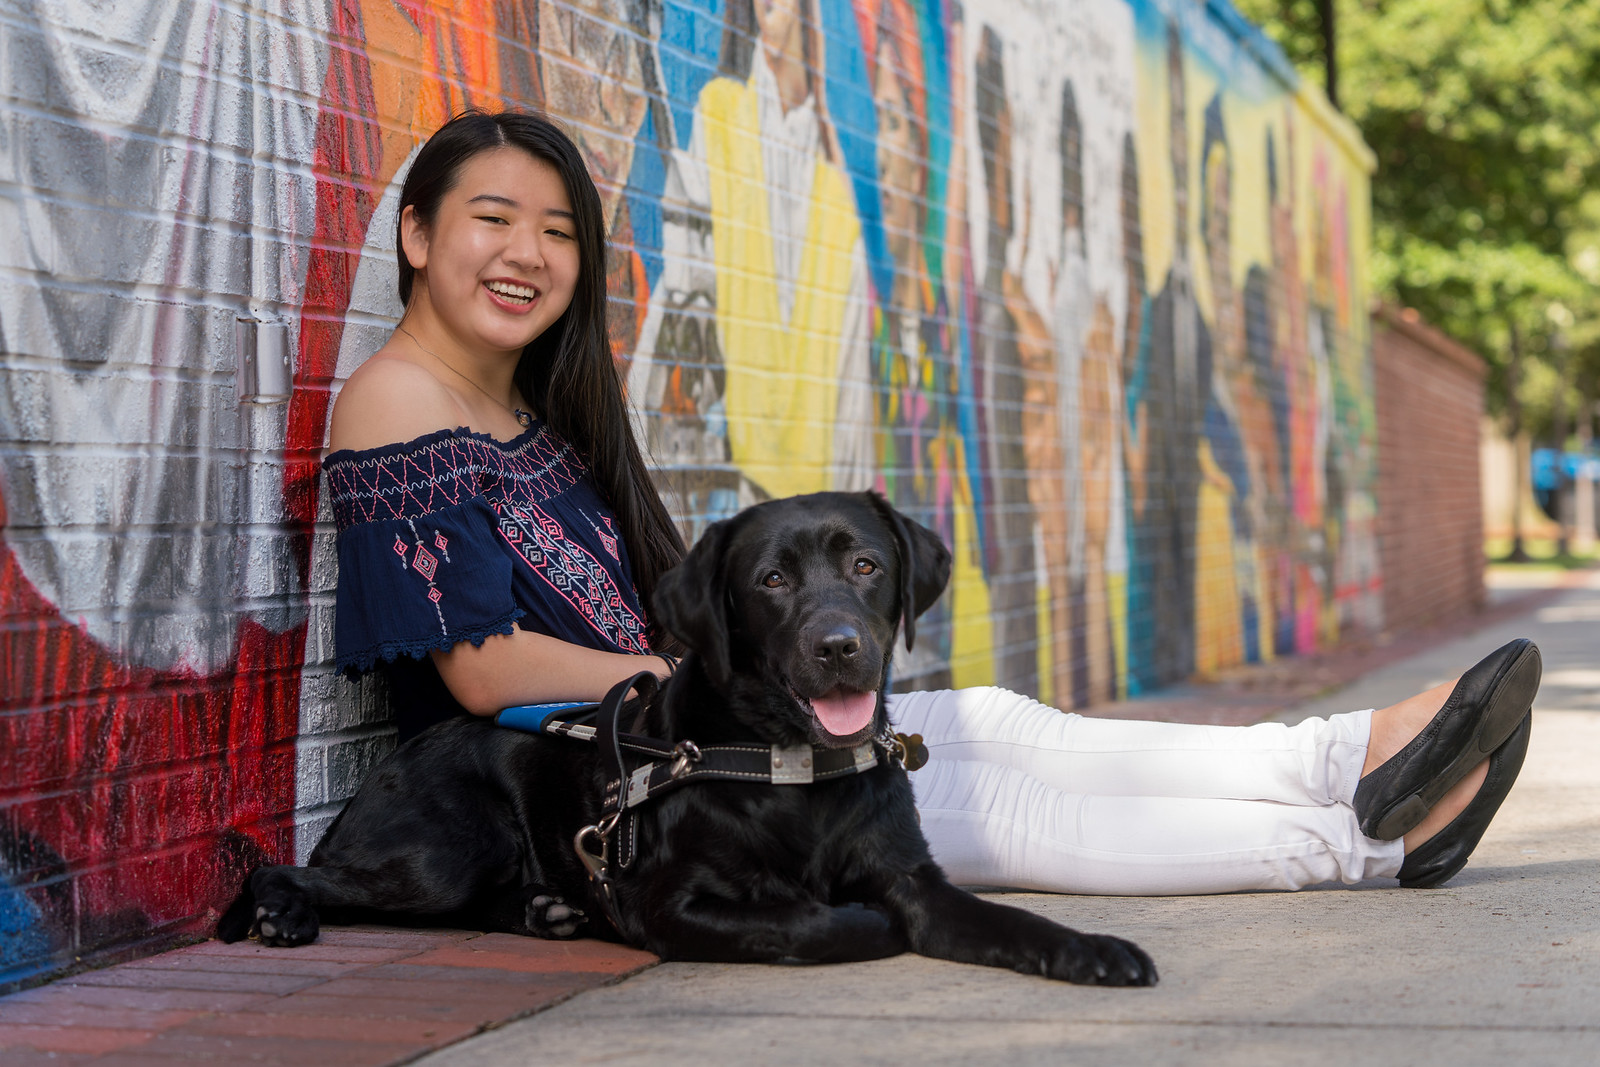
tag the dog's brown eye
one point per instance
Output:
(773, 580)
(865, 566)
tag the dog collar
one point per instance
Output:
(668, 766)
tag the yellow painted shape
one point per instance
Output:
(972, 626)
(782, 386)
(1265, 609)
(1041, 615)
(1117, 593)
(1152, 111)
(1218, 622)
(1247, 125)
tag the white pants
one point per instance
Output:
(1018, 794)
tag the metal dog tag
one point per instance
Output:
(912, 752)
(792, 766)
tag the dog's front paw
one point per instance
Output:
(283, 915)
(1095, 959)
(286, 924)
(553, 918)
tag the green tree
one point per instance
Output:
(1296, 26)
(1485, 119)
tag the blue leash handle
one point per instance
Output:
(533, 718)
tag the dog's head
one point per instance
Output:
(803, 597)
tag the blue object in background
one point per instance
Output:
(1551, 470)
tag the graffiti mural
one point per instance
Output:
(1078, 283)
(154, 619)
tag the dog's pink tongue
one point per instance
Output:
(843, 713)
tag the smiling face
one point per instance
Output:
(498, 262)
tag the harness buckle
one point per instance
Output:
(590, 845)
(684, 755)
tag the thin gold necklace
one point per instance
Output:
(524, 418)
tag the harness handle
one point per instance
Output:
(609, 735)
(592, 843)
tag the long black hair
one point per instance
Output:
(567, 372)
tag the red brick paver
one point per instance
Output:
(360, 995)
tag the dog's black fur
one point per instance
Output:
(472, 824)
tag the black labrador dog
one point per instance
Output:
(790, 610)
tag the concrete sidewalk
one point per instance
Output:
(1501, 966)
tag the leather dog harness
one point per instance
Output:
(667, 766)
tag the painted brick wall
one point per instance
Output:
(1083, 288)
(1429, 392)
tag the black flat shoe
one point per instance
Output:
(1482, 711)
(1437, 859)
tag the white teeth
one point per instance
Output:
(515, 292)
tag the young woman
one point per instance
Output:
(499, 536)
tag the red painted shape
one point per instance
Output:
(141, 774)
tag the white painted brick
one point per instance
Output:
(324, 560)
(319, 631)
(310, 772)
(269, 561)
(25, 65)
(343, 705)
(308, 830)
(89, 334)
(320, 685)
(27, 412)
(17, 251)
(267, 425)
(375, 709)
(350, 760)
(59, 156)
(32, 503)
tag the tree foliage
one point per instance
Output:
(1485, 119)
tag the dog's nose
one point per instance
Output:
(839, 643)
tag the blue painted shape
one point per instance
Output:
(646, 180)
(1150, 19)
(1263, 48)
(967, 412)
(855, 119)
(932, 20)
(24, 940)
(687, 54)
(691, 43)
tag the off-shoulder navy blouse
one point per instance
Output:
(456, 536)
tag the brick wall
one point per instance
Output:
(1429, 393)
(1088, 299)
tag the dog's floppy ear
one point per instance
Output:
(924, 564)
(691, 600)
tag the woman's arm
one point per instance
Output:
(528, 668)
(389, 399)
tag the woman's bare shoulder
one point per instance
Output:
(388, 400)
